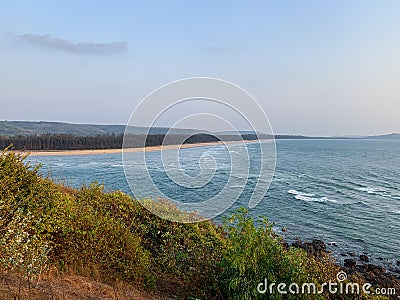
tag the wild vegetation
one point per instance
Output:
(105, 141)
(110, 237)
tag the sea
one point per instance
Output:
(345, 192)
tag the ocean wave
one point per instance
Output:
(207, 158)
(237, 186)
(391, 196)
(302, 175)
(369, 190)
(294, 192)
(308, 197)
(355, 203)
(379, 192)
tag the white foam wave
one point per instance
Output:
(369, 190)
(309, 197)
(377, 191)
(294, 192)
(236, 186)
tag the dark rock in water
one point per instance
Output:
(332, 244)
(364, 258)
(285, 245)
(350, 263)
(316, 247)
(319, 245)
(378, 275)
(373, 274)
(284, 229)
(375, 269)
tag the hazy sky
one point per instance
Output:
(316, 67)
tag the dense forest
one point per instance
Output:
(107, 141)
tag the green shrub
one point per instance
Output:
(186, 256)
(93, 243)
(41, 222)
(20, 247)
(254, 253)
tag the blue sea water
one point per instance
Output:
(341, 191)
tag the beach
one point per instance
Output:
(111, 151)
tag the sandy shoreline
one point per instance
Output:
(112, 151)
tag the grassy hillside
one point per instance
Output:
(392, 136)
(110, 238)
(14, 128)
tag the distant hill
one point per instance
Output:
(241, 132)
(392, 136)
(26, 128)
(12, 128)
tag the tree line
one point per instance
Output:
(107, 141)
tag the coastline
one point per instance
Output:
(359, 264)
(119, 150)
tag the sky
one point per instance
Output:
(315, 67)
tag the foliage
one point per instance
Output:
(63, 141)
(38, 215)
(20, 248)
(254, 254)
(111, 237)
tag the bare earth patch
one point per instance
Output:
(67, 287)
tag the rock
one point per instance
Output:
(377, 275)
(398, 263)
(285, 245)
(333, 244)
(375, 269)
(284, 229)
(343, 254)
(316, 247)
(364, 258)
(352, 254)
(319, 245)
(350, 263)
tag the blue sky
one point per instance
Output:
(316, 67)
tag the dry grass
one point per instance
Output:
(67, 287)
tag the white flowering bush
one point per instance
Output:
(20, 249)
